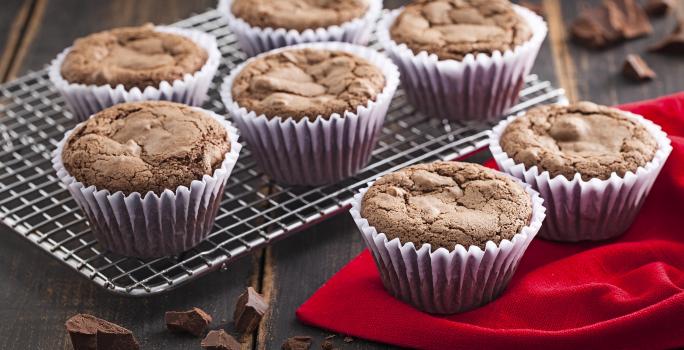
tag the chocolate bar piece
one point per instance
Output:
(673, 43)
(249, 310)
(88, 332)
(299, 342)
(219, 340)
(635, 68)
(195, 321)
(610, 23)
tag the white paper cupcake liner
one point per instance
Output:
(151, 225)
(86, 100)
(481, 87)
(322, 151)
(443, 281)
(255, 40)
(594, 210)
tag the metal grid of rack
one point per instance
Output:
(254, 211)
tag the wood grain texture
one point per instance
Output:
(13, 18)
(38, 294)
(597, 72)
(66, 20)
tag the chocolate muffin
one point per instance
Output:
(133, 57)
(298, 14)
(594, 141)
(300, 83)
(447, 203)
(453, 29)
(145, 146)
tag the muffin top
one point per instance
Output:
(584, 138)
(145, 146)
(447, 203)
(298, 14)
(451, 29)
(133, 57)
(298, 83)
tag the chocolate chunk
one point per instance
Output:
(657, 8)
(91, 333)
(597, 27)
(534, 7)
(195, 321)
(249, 310)
(635, 68)
(673, 43)
(220, 340)
(636, 22)
(610, 23)
(299, 342)
(327, 344)
(348, 339)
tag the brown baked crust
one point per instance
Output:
(145, 146)
(583, 138)
(452, 29)
(298, 14)
(447, 203)
(301, 83)
(133, 57)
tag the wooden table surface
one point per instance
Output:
(37, 293)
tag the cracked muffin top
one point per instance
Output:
(583, 138)
(300, 83)
(298, 14)
(133, 57)
(447, 203)
(452, 29)
(145, 146)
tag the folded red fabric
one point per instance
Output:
(621, 294)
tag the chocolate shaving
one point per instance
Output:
(348, 339)
(299, 342)
(250, 308)
(635, 68)
(195, 321)
(88, 332)
(327, 344)
(612, 22)
(220, 340)
(658, 8)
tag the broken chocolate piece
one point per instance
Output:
(610, 23)
(673, 43)
(597, 27)
(299, 342)
(635, 19)
(88, 332)
(348, 339)
(534, 7)
(658, 8)
(220, 340)
(195, 321)
(327, 344)
(249, 310)
(635, 68)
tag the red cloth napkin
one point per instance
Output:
(622, 294)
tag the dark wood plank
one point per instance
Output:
(598, 71)
(38, 294)
(298, 266)
(13, 17)
(65, 20)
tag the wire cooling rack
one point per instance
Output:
(254, 211)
